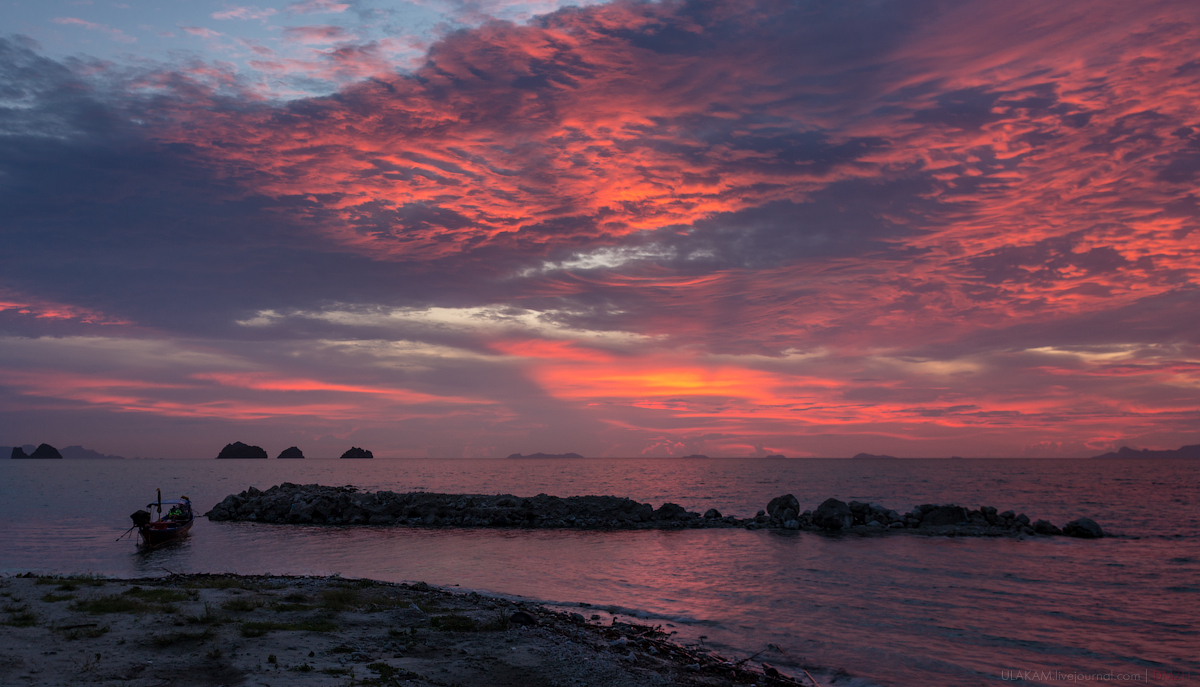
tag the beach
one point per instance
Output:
(207, 630)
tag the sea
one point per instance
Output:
(894, 610)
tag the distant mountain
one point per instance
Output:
(776, 456)
(239, 450)
(79, 452)
(547, 455)
(41, 452)
(70, 452)
(872, 456)
(1192, 451)
(696, 455)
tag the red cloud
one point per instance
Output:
(1046, 157)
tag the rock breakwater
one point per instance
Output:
(315, 504)
(948, 520)
(292, 503)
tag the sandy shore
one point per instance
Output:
(208, 630)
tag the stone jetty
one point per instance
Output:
(292, 503)
(315, 504)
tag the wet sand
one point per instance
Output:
(208, 630)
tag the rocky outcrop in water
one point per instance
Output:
(949, 520)
(356, 452)
(239, 450)
(291, 453)
(1084, 528)
(292, 503)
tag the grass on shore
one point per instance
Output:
(258, 629)
(134, 600)
(113, 603)
(243, 605)
(69, 583)
(19, 616)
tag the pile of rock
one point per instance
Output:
(312, 503)
(315, 504)
(834, 515)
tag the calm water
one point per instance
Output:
(899, 610)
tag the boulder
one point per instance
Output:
(1045, 527)
(1084, 528)
(239, 450)
(292, 452)
(779, 506)
(832, 515)
(712, 514)
(522, 618)
(859, 512)
(670, 511)
(945, 515)
(356, 452)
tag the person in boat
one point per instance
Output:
(180, 511)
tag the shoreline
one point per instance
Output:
(215, 629)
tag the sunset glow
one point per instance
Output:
(619, 229)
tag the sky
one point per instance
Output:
(469, 228)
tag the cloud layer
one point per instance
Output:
(625, 229)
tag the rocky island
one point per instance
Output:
(238, 450)
(289, 503)
(42, 452)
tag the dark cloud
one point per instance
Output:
(1046, 261)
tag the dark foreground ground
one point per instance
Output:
(208, 630)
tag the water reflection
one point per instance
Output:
(900, 610)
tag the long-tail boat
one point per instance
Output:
(166, 528)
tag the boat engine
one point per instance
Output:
(140, 518)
